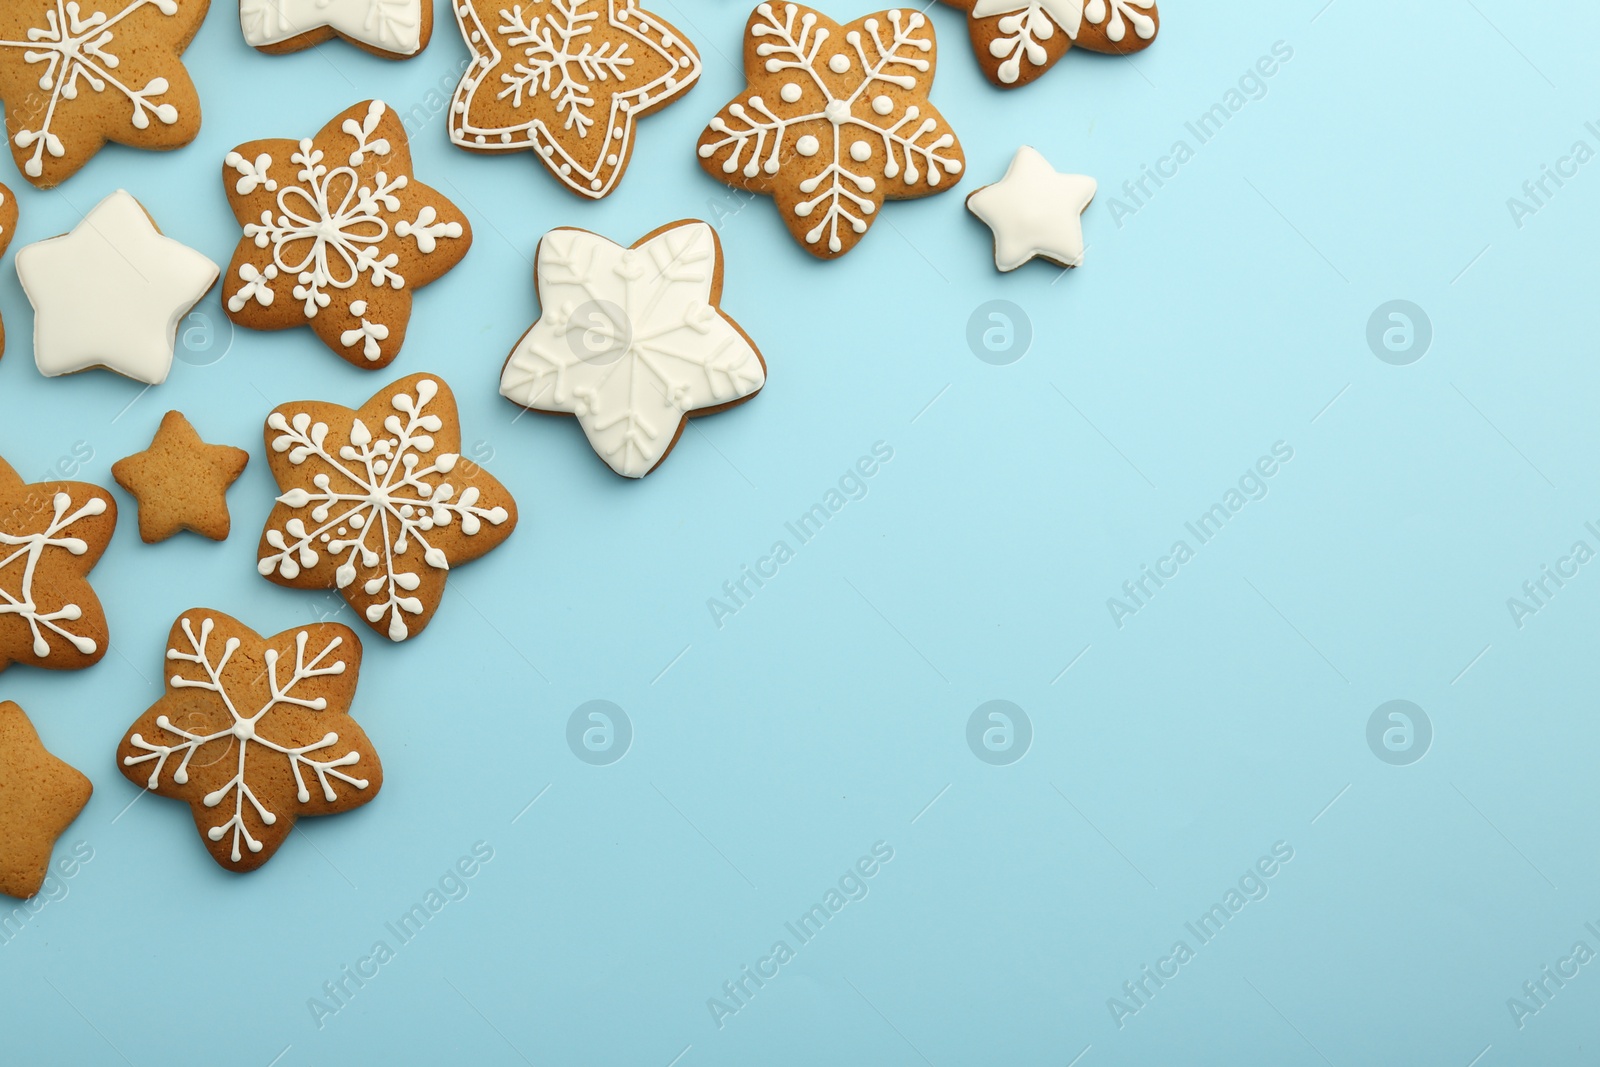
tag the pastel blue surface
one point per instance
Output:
(1219, 314)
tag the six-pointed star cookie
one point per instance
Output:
(393, 29)
(377, 503)
(8, 230)
(180, 482)
(111, 293)
(566, 79)
(1034, 211)
(39, 797)
(51, 535)
(1018, 40)
(631, 341)
(75, 74)
(835, 121)
(253, 733)
(338, 234)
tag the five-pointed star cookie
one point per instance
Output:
(1018, 40)
(631, 341)
(566, 79)
(180, 482)
(377, 503)
(8, 230)
(1034, 211)
(338, 234)
(392, 29)
(51, 535)
(75, 74)
(835, 121)
(111, 293)
(253, 733)
(39, 797)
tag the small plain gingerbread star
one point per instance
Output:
(181, 482)
(39, 797)
(1034, 211)
(111, 293)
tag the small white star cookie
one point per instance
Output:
(1034, 211)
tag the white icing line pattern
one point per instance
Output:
(630, 342)
(575, 83)
(340, 216)
(368, 501)
(866, 139)
(393, 26)
(76, 53)
(1024, 25)
(22, 554)
(311, 764)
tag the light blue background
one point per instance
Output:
(1228, 313)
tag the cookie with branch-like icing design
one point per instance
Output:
(835, 120)
(391, 29)
(631, 341)
(75, 74)
(254, 732)
(39, 797)
(378, 503)
(1018, 40)
(338, 234)
(51, 536)
(8, 230)
(566, 79)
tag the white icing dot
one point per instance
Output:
(882, 105)
(839, 63)
(807, 145)
(594, 183)
(790, 92)
(861, 151)
(611, 160)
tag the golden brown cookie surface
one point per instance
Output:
(254, 732)
(338, 234)
(377, 503)
(835, 120)
(39, 797)
(180, 482)
(1018, 40)
(76, 75)
(566, 79)
(8, 230)
(51, 535)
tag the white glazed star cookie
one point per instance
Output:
(631, 341)
(1034, 211)
(111, 293)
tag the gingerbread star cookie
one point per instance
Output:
(338, 234)
(631, 341)
(1018, 40)
(180, 482)
(835, 121)
(75, 74)
(566, 79)
(254, 732)
(8, 230)
(51, 535)
(391, 29)
(39, 798)
(378, 504)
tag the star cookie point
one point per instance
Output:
(40, 796)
